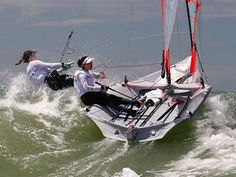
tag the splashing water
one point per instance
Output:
(214, 154)
(44, 133)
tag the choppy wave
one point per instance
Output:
(44, 133)
(214, 153)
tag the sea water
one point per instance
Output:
(45, 133)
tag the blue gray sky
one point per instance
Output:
(116, 32)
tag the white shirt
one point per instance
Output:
(37, 70)
(84, 82)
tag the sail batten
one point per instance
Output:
(169, 10)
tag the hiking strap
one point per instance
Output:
(151, 114)
(142, 115)
(125, 107)
(184, 108)
(168, 112)
(128, 114)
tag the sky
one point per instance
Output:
(116, 32)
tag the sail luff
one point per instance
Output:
(169, 10)
(193, 10)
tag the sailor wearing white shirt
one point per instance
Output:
(84, 79)
(40, 72)
(90, 93)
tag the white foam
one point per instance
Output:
(24, 97)
(220, 110)
(7, 114)
(20, 94)
(126, 172)
(216, 143)
(57, 111)
(102, 155)
(34, 159)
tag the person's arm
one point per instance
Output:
(100, 75)
(36, 79)
(95, 75)
(86, 86)
(41, 64)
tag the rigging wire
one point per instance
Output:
(80, 11)
(197, 49)
(147, 36)
(103, 66)
(130, 31)
(199, 52)
(179, 38)
(67, 49)
(195, 43)
(200, 63)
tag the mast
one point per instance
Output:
(169, 10)
(192, 13)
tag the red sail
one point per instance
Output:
(167, 64)
(193, 6)
(169, 10)
(193, 61)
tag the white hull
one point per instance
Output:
(157, 120)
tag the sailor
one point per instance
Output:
(41, 72)
(90, 94)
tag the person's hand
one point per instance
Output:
(104, 88)
(102, 75)
(67, 66)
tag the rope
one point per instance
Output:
(67, 49)
(125, 66)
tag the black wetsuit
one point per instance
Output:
(57, 82)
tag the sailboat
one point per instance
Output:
(176, 90)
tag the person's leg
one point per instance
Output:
(52, 80)
(91, 98)
(105, 99)
(119, 104)
(66, 81)
(115, 100)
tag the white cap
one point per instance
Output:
(87, 60)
